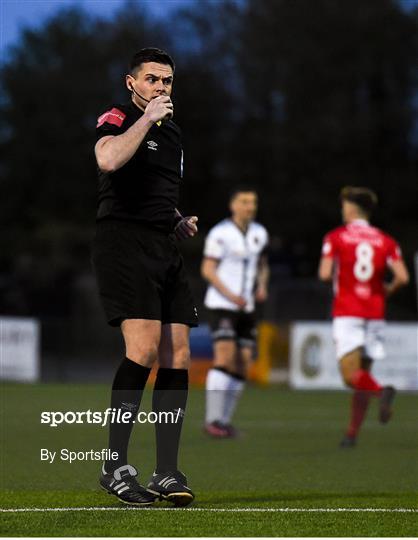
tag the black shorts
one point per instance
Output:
(141, 275)
(237, 325)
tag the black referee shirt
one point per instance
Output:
(146, 188)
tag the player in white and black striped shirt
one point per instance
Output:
(235, 267)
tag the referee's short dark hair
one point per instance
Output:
(363, 197)
(150, 54)
(243, 188)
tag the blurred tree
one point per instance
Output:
(328, 91)
(56, 82)
(206, 103)
(296, 97)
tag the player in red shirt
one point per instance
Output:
(356, 256)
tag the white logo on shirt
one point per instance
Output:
(152, 145)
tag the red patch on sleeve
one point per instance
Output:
(114, 116)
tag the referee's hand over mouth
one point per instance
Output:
(159, 108)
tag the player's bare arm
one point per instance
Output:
(400, 277)
(326, 269)
(113, 151)
(208, 272)
(263, 277)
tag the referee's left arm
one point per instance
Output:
(185, 227)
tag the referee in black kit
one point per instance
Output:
(140, 272)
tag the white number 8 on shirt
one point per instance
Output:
(363, 268)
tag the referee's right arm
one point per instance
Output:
(113, 151)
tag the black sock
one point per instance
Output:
(127, 389)
(170, 395)
(237, 376)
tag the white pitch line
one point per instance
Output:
(283, 510)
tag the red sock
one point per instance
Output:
(362, 380)
(359, 405)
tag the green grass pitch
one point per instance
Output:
(287, 458)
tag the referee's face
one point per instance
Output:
(244, 206)
(150, 81)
